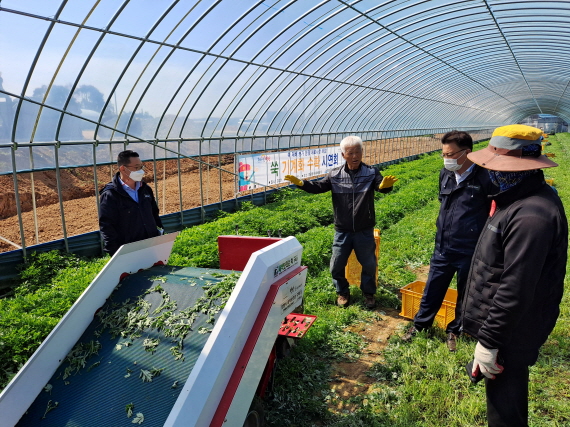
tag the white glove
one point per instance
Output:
(485, 360)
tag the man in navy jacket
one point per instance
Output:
(128, 211)
(463, 192)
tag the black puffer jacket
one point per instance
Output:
(517, 273)
(122, 220)
(353, 199)
(463, 211)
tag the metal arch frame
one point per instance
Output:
(15, 124)
(165, 44)
(85, 63)
(364, 65)
(268, 20)
(512, 53)
(275, 14)
(191, 109)
(424, 50)
(348, 84)
(316, 81)
(351, 85)
(427, 40)
(261, 74)
(161, 65)
(215, 127)
(127, 66)
(375, 79)
(336, 75)
(294, 75)
(292, 79)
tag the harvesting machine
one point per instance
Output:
(153, 344)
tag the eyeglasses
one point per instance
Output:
(449, 155)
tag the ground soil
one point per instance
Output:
(350, 378)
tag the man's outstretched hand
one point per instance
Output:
(293, 179)
(387, 182)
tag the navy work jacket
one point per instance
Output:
(122, 220)
(463, 211)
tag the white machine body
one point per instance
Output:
(222, 384)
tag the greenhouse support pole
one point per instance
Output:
(96, 184)
(220, 171)
(154, 171)
(60, 197)
(180, 184)
(163, 176)
(33, 188)
(17, 196)
(202, 212)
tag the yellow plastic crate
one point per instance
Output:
(353, 269)
(412, 296)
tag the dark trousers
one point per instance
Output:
(507, 394)
(364, 247)
(442, 268)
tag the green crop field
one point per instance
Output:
(414, 384)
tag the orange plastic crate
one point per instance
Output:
(353, 269)
(412, 296)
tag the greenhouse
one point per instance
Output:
(200, 85)
(224, 98)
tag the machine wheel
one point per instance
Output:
(256, 415)
(283, 346)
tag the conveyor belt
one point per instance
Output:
(98, 394)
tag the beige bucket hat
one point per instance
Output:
(505, 150)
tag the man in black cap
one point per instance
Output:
(517, 273)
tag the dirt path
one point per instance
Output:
(350, 379)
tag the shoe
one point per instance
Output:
(451, 341)
(409, 334)
(369, 301)
(343, 300)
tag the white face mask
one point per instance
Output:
(451, 164)
(137, 175)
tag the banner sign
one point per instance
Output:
(271, 168)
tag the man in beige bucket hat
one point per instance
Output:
(517, 273)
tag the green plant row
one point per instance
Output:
(54, 283)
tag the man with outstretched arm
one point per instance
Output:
(353, 186)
